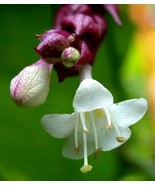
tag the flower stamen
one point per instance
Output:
(85, 148)
(76, 135)
(77, 150)
(97, 153)
(108, 124)
(119, 138)
(94, 130)
(82, 116)
(86, 167)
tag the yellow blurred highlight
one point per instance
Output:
(143, 16)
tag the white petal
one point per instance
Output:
(69, 150)
(59, 125)
(128, 112)
(107, 141)
(91, 95)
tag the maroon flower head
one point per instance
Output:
(67, 10)
(87, 31)
(86, 27)
(78, 32)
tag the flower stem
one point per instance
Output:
(85, 72)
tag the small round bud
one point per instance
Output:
(69, 56)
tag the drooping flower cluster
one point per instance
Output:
(73, 43)
(97, 123)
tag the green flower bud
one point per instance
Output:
(69, 56)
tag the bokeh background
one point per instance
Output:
(125, 64)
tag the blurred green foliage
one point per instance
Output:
(27, 152)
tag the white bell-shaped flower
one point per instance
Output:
(97, 123)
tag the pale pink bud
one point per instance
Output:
(30, 87)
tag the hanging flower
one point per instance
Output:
(97, 123)
(30, 87)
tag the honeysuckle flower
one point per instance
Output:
(97, 123)
(30, 87)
